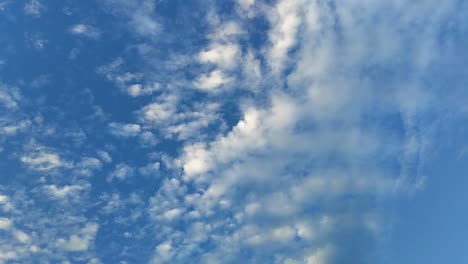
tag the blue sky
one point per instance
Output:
(237, 131)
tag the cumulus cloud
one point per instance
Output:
(128, 82)
(13, 129)
(34, 8)
(85, 30)
(212, 81)
(121, 172)
(136, 90)
(302, 154)
(104, 156)
(271, 138)
(9, 97)
(152, 169)
(41, 159)
(65, 191)
(5, 223)
(174, 120)
(124, 130)
(81, 241)
(139, 15)
(224, 56)
(160, 111)
(285, 22)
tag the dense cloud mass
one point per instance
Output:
(244, 131)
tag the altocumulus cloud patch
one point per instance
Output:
(240, 131)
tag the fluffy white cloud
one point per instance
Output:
(285, 21)
(246, 3)
(104, 156)
(286, 170)
(81, 241)
(280, 158)
(21, 236)
(223, 55)
(9, 97)
(160, 111)
(43, 160)
(167, 116)
(121, 172)
(136, 90)
(212, 80)
(88, 165)
(34, 8)
(5, 223)
(124, 130)
(140, 15)
(152, 169)
(85, 30)
(13, 129)
(65, 191)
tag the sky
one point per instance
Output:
(233, 131)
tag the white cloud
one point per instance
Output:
(81, 241)
(246, 3)
(285, 21)
(5, 223)
(34, 8)
(21, 236)
(174, 121)
(222, 55)
(212, 81)
(148, 139)
(13, 129)
(172, 214)
(164, 251)
(36, 40)
(85, 30)
(320, 256)
(189, 124)
(113, 72)
(41, 159)
(140, 15)
(136, 90)
(124, 130)
(144, 24)
(121, 172)
(65, 191)
(196, 159)
(88, 165)
(159, 111)
(298, 163)
(9, 97)
(152, 169)
(225, 33)
(104, 156)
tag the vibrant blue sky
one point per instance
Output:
(237, 131)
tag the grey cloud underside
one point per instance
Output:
(332, 117)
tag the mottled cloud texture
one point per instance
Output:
(236, 132)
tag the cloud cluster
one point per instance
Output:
(34, 8)
(268, 132)
(293, 178)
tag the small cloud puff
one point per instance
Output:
(85, 30)
(212, 81)
(121, 172)
(124, 130)
(81, 241)
(42, 159)
(34, 8)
